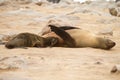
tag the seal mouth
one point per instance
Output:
(110, 44)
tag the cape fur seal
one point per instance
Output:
(82, 38)
(30, 40)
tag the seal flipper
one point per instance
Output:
(68, 27)
(64, 35)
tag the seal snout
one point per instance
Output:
(110, 44)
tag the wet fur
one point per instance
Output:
(30, 40)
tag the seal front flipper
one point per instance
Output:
(64, 35)
(68, 27)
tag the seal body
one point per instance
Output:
(82, 38)
(85, 38)
(30, 40)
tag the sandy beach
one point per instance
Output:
(59, 63)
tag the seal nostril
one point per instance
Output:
(114, 43)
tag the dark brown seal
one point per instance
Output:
(30, 40)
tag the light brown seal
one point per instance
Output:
(82, 38)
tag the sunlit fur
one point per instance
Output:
(82, 38)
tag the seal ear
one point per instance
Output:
(64, 35)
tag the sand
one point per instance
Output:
(58, 63)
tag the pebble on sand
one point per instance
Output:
(115, 69)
